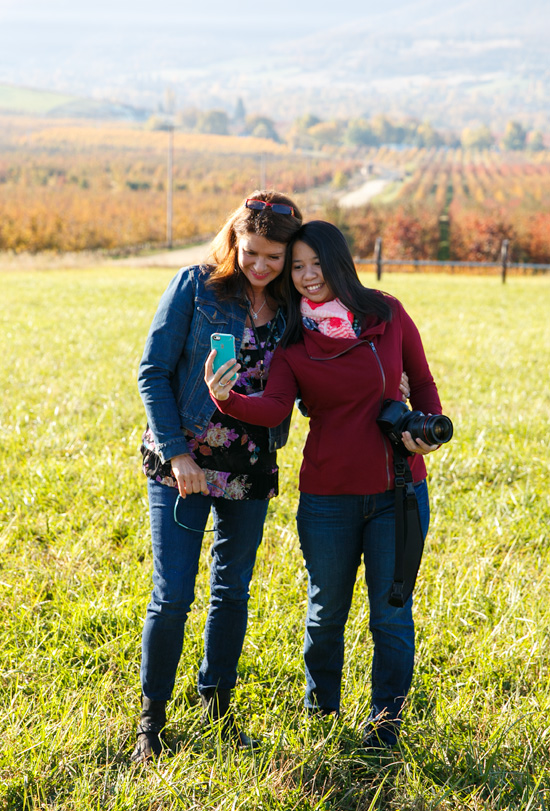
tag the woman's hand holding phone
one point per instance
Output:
(224, 344)
(221, 367)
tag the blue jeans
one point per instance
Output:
(176, 551)
(335, 532)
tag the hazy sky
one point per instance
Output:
(186, 10)
(287, 18)
(213, 51)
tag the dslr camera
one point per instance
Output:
(396, 417)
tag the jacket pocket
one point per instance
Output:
(192, 393)
(209, 318)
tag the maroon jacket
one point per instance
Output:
(343, 383)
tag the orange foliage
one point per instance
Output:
(477, 237)
(128, 137)
(409, 235)
(364, 224)
(538, 238)
(70, 187)
(487, 196)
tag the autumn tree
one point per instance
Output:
(262, 127)
(239, 115)
(364, 224)
(514, 136)
(478, 236)
(326, 132)
(411, 235)
(537, 244)
(360, 132)
(535, 142)
(427, 136)
(304, 122)
(214, 122)
(187, 118)
(479, 138)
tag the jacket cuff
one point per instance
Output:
(174, 447)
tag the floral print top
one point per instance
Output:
(234, 455)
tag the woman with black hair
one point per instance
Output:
(344, 350)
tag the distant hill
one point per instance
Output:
(457, 64)
(30, 101)
(473, 18)
(15, 99)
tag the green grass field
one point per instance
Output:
(15, 99)
(75, 569)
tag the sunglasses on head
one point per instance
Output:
(277, 208)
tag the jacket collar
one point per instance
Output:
(325, 347)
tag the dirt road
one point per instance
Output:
(177, 258)
(361, 196)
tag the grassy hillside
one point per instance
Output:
(34, 102)
(76, 572)
(29, 101)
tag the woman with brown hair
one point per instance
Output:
(198, 460)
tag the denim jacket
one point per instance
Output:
(171, 372)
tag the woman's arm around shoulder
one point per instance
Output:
(423, 390)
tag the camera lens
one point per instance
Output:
(395, 418)
(438, 430)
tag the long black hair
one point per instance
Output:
(339, 273)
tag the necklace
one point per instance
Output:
(262, 349)
(256, 313)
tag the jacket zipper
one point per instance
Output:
(339, 354)
(379, 362)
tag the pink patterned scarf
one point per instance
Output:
(332, 317)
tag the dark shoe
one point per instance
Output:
(215, 703)
(232, 734)
(376, 745)
(152, 721)
(216, 708)
(380, 734)
(322, 712)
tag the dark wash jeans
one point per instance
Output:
(176, 552)
(335, 532)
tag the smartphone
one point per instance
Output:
(224, 345)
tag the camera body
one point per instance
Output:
(396, 417)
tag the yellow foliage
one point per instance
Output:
(69, 186)
(135, 137)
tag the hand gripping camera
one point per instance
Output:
(396, 417)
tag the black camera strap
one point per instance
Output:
(409, 540)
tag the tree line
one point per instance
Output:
(311, 132)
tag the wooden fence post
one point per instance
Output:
(378, 257)
(263, 181)
(504, 258)
(170, 187)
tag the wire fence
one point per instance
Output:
(502, 268)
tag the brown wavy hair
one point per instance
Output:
(225, 277)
